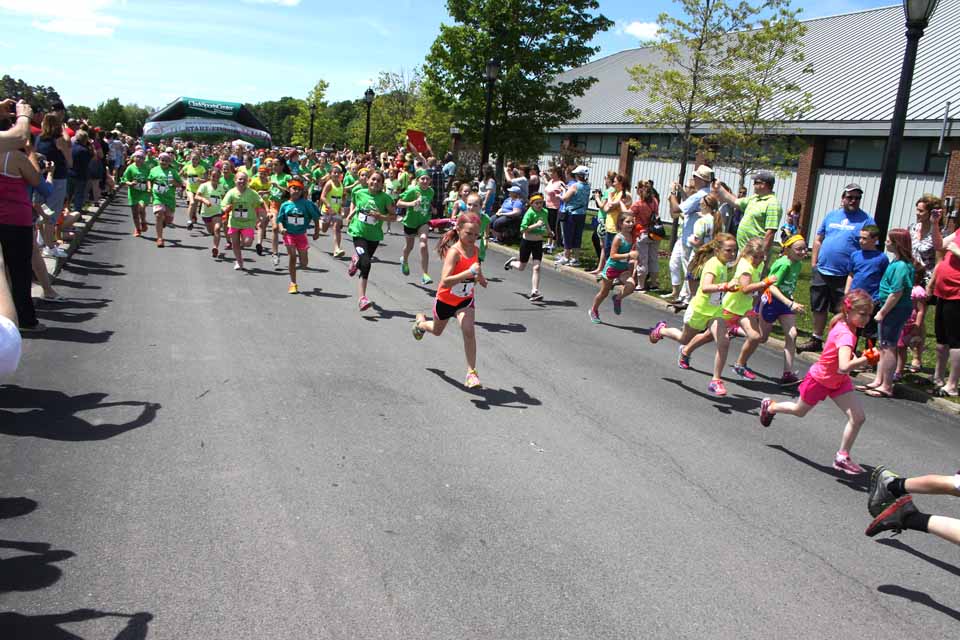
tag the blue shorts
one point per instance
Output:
(892, 325)
(772, 310)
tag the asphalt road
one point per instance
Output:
(189, 452)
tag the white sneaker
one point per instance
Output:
(236, 266)
(48, 253)
(561, 260)
(276, 259)
(59, 252)
(573, 263)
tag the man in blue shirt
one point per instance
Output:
(687, 210)
(836, 240)
(507, 221)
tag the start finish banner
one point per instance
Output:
(203, 128)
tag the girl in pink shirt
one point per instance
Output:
(829, 377)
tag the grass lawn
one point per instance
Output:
(588, 260)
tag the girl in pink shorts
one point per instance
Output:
(829, 377)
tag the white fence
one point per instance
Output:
(908, 189)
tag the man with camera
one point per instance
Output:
(685, 207)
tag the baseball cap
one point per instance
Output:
(853, 186)
(704, 172)
(581, 170)
(765, 176)
(513, 190)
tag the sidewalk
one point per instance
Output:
(901, 390)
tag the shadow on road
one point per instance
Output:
(52, 414)
(919, 597)
(857, 483)
(516, 399)
(427, 290)
(386, 314)
(16, 507)
(548, 303)
(323, 294)
(33, 571)
(74, 303)
(16, 626)
(494, 327)
(746, 405)
(67, 334)
(940, 564)
(90, 267)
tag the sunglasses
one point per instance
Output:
(852, 197)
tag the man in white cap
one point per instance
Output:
(687, 211)
(837, 238)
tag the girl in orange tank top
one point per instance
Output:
(455, 294)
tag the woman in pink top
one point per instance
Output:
(644, 209)
(829, 377)
(17, 171)
(552, 191)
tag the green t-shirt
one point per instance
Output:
(404, 179)
(417, 216)
(278, 186)
(194, 176)
(364, 226)
(164, 186)
(228, 183)
(787, 273)
(899, 276)
(759, 214)
(482, 243)
(710, 304)
(245, 205)
(296, 215)
(139, 176)
(214, 195)
(531, 217)
(348, 182)
(737, 302)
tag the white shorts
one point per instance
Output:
(10, 347)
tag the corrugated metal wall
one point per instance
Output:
(909, 187)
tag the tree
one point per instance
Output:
(534, 40)
(278, 117)
(322, 124)
(109, 113)
(759, 97)
(39, 97)
(79, 111)
(682, 87)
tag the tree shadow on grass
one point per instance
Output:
(920, 598)
(859, 483)
(50, 414)
(518, 398)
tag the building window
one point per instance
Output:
(609, 145)
(917, 155)
(554, 141)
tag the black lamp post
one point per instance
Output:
(368, 98)
(491, 72)
(313, 114)
(918, 14)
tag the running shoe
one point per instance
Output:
(190, 226)
(788, 378)
(405, 268)
(425, 279)
(892, 518)
(508, 264)
(160, 242)
(417, 331)
(573, 262)
(354, 266)
(276, 259)
(136, 234)
(617, 304)
(848, 466)
(473, 380)
(364, 303)
(561, 260)
(293, 288)
(717, 388)
(536, 296)
(214, 252)
(744, 371)
(236, 266)
(766, 417)
(259, 249)
(655, 332)
(683, 360)
(339, 253)
(594, 316)
(880, 496)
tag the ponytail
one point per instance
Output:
(452, 236)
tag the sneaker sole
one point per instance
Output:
(871, 529)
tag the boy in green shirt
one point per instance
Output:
(534, 227)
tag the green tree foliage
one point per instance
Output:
(279, 117)
(322, 123)
(79, 111)
(108, 113)
(535, 40)
(760, 95)
(39, 97)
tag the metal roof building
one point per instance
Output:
(856, 60)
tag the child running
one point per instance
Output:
(533, 228)
(209, 194)
(892, 505)
(829, 377)
(371, 208)
(714, 261)
(243, 205)
(294, 219)
(415, 200)
(331, 199)
(455, 297)
(623, 253)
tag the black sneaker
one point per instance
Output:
(891, 518)
(259, 249)
(813, 344)
(879, 495)
(536, 296)
(190, 226)
(508, 264)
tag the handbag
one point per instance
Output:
(655, 229)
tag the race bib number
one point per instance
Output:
(334, 200)
(214, 200)
(161, 188)
(716, 298)
(140, 186)
(193, 179)
(463, 289)
(296, 221)
(367, 218)
(240, 213)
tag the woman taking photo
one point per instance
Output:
(644, 210)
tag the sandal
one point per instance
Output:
(941, 392)
(877, 393)
(864, 387)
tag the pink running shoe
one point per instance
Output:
(354, 265)
(845, 464)
(473, 380)
(717, 388)
(365, 303)
(655, 332)
(766, 417)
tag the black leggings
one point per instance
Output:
(364, 249)
(16, 242)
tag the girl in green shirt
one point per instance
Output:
(371, 207)
(135, 178)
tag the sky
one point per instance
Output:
(150, 52)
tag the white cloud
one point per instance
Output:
(77, 17)
(637, 29)
(282, 3)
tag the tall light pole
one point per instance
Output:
(313, 114)
(368, 98)
(491, 72)
(918, 13)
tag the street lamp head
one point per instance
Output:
(493, 69)
(313, 107)
(919, 12)
(368, 96)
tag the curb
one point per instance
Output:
(81, 227)
(900, 390)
